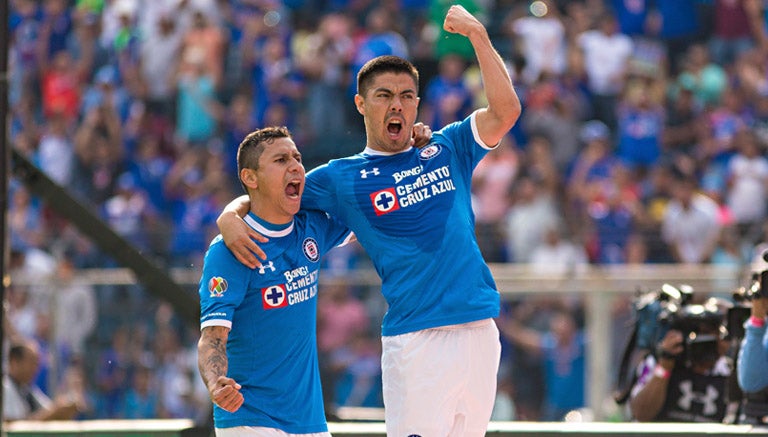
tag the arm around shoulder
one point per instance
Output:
(237, 235)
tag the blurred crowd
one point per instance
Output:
(642, 140)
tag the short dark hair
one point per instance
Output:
(18, 350)
(384, 64)
(252, 146)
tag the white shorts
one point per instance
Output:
(260, 431)
(442, 381)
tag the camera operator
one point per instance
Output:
(751, 365)
(686, 379)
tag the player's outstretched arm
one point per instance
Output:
(213, 364)
(238, 236)
(503, 110)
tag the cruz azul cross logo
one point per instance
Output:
(385, 201)
(274, 297)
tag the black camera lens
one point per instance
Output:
(702, 348)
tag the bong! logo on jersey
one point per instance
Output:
(274, 297)
(311, 250)
(385, 201)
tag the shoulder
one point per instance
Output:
(219, 253)
(335, 166)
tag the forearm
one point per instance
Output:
(503, 103)
(239, 206)
(647, 403)
(751, 360)
(212, 354)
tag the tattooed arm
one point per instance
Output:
(212, 363)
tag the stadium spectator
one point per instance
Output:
(359, 372)
(72, 309)
(380, 38)
(130, 213)
(99, 153)
(747, 184)
(197, 106)
(447, 42)
(558, 256)
(25, 221)
(206, 40)
(590, 171)
(639, 126)
(55, 152)
(159, 55)
(22, 399)
(732, 31)
(703, 77)
(448, 96)
(691, 225)
(323, 60)
(678, 24)
(682, 122)
(606, 54)
(61, 86)
(533, 210)
(491, 183)
(112, 373)
(194, 211)
(340, 316)
(562, 348)
(541, 41)
(142, 399)
(554, 108)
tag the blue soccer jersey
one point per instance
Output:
(271, 313)
(412, 213)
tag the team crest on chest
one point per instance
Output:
(430, 152)
(311, 251)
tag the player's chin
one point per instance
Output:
(292, 205)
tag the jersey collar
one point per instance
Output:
(371, 152)
(268, 229)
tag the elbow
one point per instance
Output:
(510, 111)
(749, 385)
(516, 108)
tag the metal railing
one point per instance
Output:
(598, 286)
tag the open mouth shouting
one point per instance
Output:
(395, 129)
(293, 189)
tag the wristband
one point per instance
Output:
(757, 322)
(661, 372)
